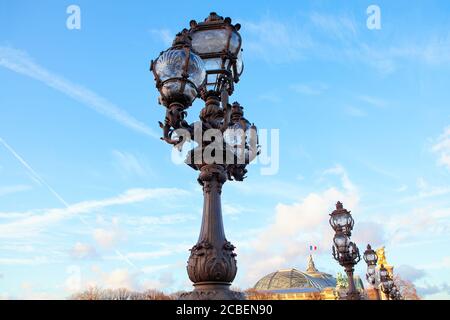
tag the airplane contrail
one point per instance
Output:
(20, 62)
(38, 178)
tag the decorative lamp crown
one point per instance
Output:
(218, 43)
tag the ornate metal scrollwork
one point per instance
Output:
(208, 263)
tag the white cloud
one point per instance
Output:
(168, 251)
(115, 279)
(279, 189)
(435, 292)
(275, 41)
(146, 255)
(234, 210)
(412, 225)
(16, 247)
(164, 282)
(25, 261)
(155, 268)
(354, 111)
(442, 148)
(108, 238)
(410, 273)
(426, 190)
(7, 190)
(29, 292)
(160, 220)
(165, 251)
(295, 226)
(309, 89)
(374, 101)
(286, 41)
(33, 174)
(20, 62)
(38, 220)
(401, 188)
(444, 263)
(124, 278)
(83, 251)
(367, 232)
(436, 51)
(271, 97)
(165, 35)
(130, 164)
(340, 27)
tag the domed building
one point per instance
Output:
(292, 284)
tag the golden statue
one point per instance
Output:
(382, 261)
(381, 257)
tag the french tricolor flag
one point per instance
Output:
(312, 248)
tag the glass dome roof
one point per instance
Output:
(293, 278)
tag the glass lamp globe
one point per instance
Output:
(353, 251)
(371, 270)
(342, 242)
(371, 274)
(179, 72)
(218, 43)
(341, 219)
(383, 272)
(370, 256)
(241, 136)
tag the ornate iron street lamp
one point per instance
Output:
(387, 285)
(206, 62)
(371, 258)
(344, 251)
(383, 280)
(395, 293)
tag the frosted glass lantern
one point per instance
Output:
(341, 241)
(241, 136)
(370, 256)
(218, 43)
(179, 73)
(341, 220)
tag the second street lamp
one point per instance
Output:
(371, 258)
(381, 280)
(386, 282)
(344, 251)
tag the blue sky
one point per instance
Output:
(89, 194)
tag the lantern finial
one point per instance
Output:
(182, 39)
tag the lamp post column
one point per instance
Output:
(212, 264)
(377, 293)
(352, 293)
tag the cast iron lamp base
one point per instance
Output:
(212, 291)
